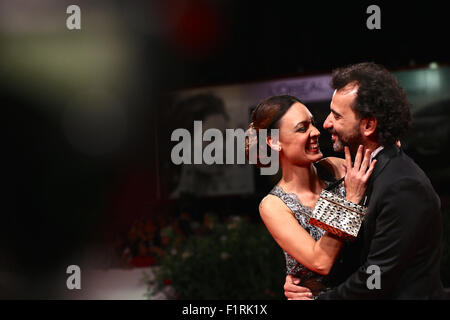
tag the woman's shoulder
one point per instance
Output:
(333, 165)
(270, 204)
(269, 201)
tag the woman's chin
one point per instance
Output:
(314, 156)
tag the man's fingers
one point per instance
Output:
(289, 278)
(292, 279)
(296, 289)
(296, 292)
(298, 296)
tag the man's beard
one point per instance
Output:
(352, 141)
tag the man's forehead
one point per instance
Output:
(351, 88)
(342, 102)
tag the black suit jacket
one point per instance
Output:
(401, 234)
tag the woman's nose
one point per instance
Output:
(315, 132)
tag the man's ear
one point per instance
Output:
(368, 126)
(273, 143)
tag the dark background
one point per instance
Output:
(59, 200)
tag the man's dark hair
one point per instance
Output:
(380, 96)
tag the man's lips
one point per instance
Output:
(333, 137)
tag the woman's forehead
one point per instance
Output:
(298, 112)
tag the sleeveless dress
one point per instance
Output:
(315, 282)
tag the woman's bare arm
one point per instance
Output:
(317, 256)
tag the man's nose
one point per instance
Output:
(327, 123)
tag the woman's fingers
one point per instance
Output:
(365, 162)
(359, 167)
(369, 172)
(343, 170)
(358, 157)
(348, 158)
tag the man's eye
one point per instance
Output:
(301, 129)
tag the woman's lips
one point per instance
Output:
(313, 147)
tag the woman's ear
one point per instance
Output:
(368, 126)
(273, 143)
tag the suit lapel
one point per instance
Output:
(383, 158)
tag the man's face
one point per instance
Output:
(342, 122)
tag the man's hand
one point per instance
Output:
(293, 291)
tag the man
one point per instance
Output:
(401, 232)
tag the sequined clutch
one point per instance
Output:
(337, 215)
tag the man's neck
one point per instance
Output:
(372, 145)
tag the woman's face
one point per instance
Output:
(299, 138)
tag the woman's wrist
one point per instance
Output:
(337, 215)
(353, 199)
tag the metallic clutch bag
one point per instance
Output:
(337, 215)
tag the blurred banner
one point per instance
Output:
(229, 107)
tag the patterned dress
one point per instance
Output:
(315, 282)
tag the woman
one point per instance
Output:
(310, 251)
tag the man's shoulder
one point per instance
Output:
(403, 176)
(402, 168)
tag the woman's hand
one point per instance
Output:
(357, 175)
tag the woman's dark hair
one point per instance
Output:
(379, 96)
(267, 115)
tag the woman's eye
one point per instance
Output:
(302, 129)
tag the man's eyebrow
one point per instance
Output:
(336, 113)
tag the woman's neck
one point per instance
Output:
(299, 179)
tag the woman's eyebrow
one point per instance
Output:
(304, 122)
